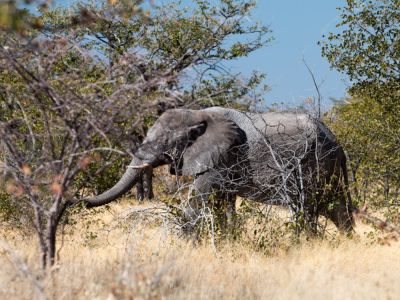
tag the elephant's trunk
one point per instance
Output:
(127, 181)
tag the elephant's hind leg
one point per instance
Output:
(341, 213)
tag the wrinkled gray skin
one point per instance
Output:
(234, 153)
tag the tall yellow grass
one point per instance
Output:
(147, 264)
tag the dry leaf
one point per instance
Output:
(84, 162)
(26, 170)
(56, 188)
(35, 189)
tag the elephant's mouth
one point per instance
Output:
(147, 155)
(154, 156)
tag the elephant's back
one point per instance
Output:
(273, 124)
(279, 125)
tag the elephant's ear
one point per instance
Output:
(212, 144)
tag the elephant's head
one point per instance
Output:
(191, 141)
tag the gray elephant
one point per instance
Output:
(275, 158)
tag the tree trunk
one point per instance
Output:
(41, 238)
(51, 240)
(354, 180)
(386, 188)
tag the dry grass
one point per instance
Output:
(147, 264)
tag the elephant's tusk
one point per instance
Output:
(145, 165)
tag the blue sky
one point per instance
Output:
(297, 26)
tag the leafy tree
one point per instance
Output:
(79, 87)
(174, 39)
(372, 148)
(367, 49)
(13, 18)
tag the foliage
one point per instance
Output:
(13, 18)
(372, 146)
(174, 40)
(229, 91)
(367, 49)
(83, 86)
(99, 28)
(7, 207)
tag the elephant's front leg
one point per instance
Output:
(140, 189)
(144, 186)
(197, 205)
(148, 183)
(208, 199)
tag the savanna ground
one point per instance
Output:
(104, 256)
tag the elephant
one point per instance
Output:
(277, 158)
